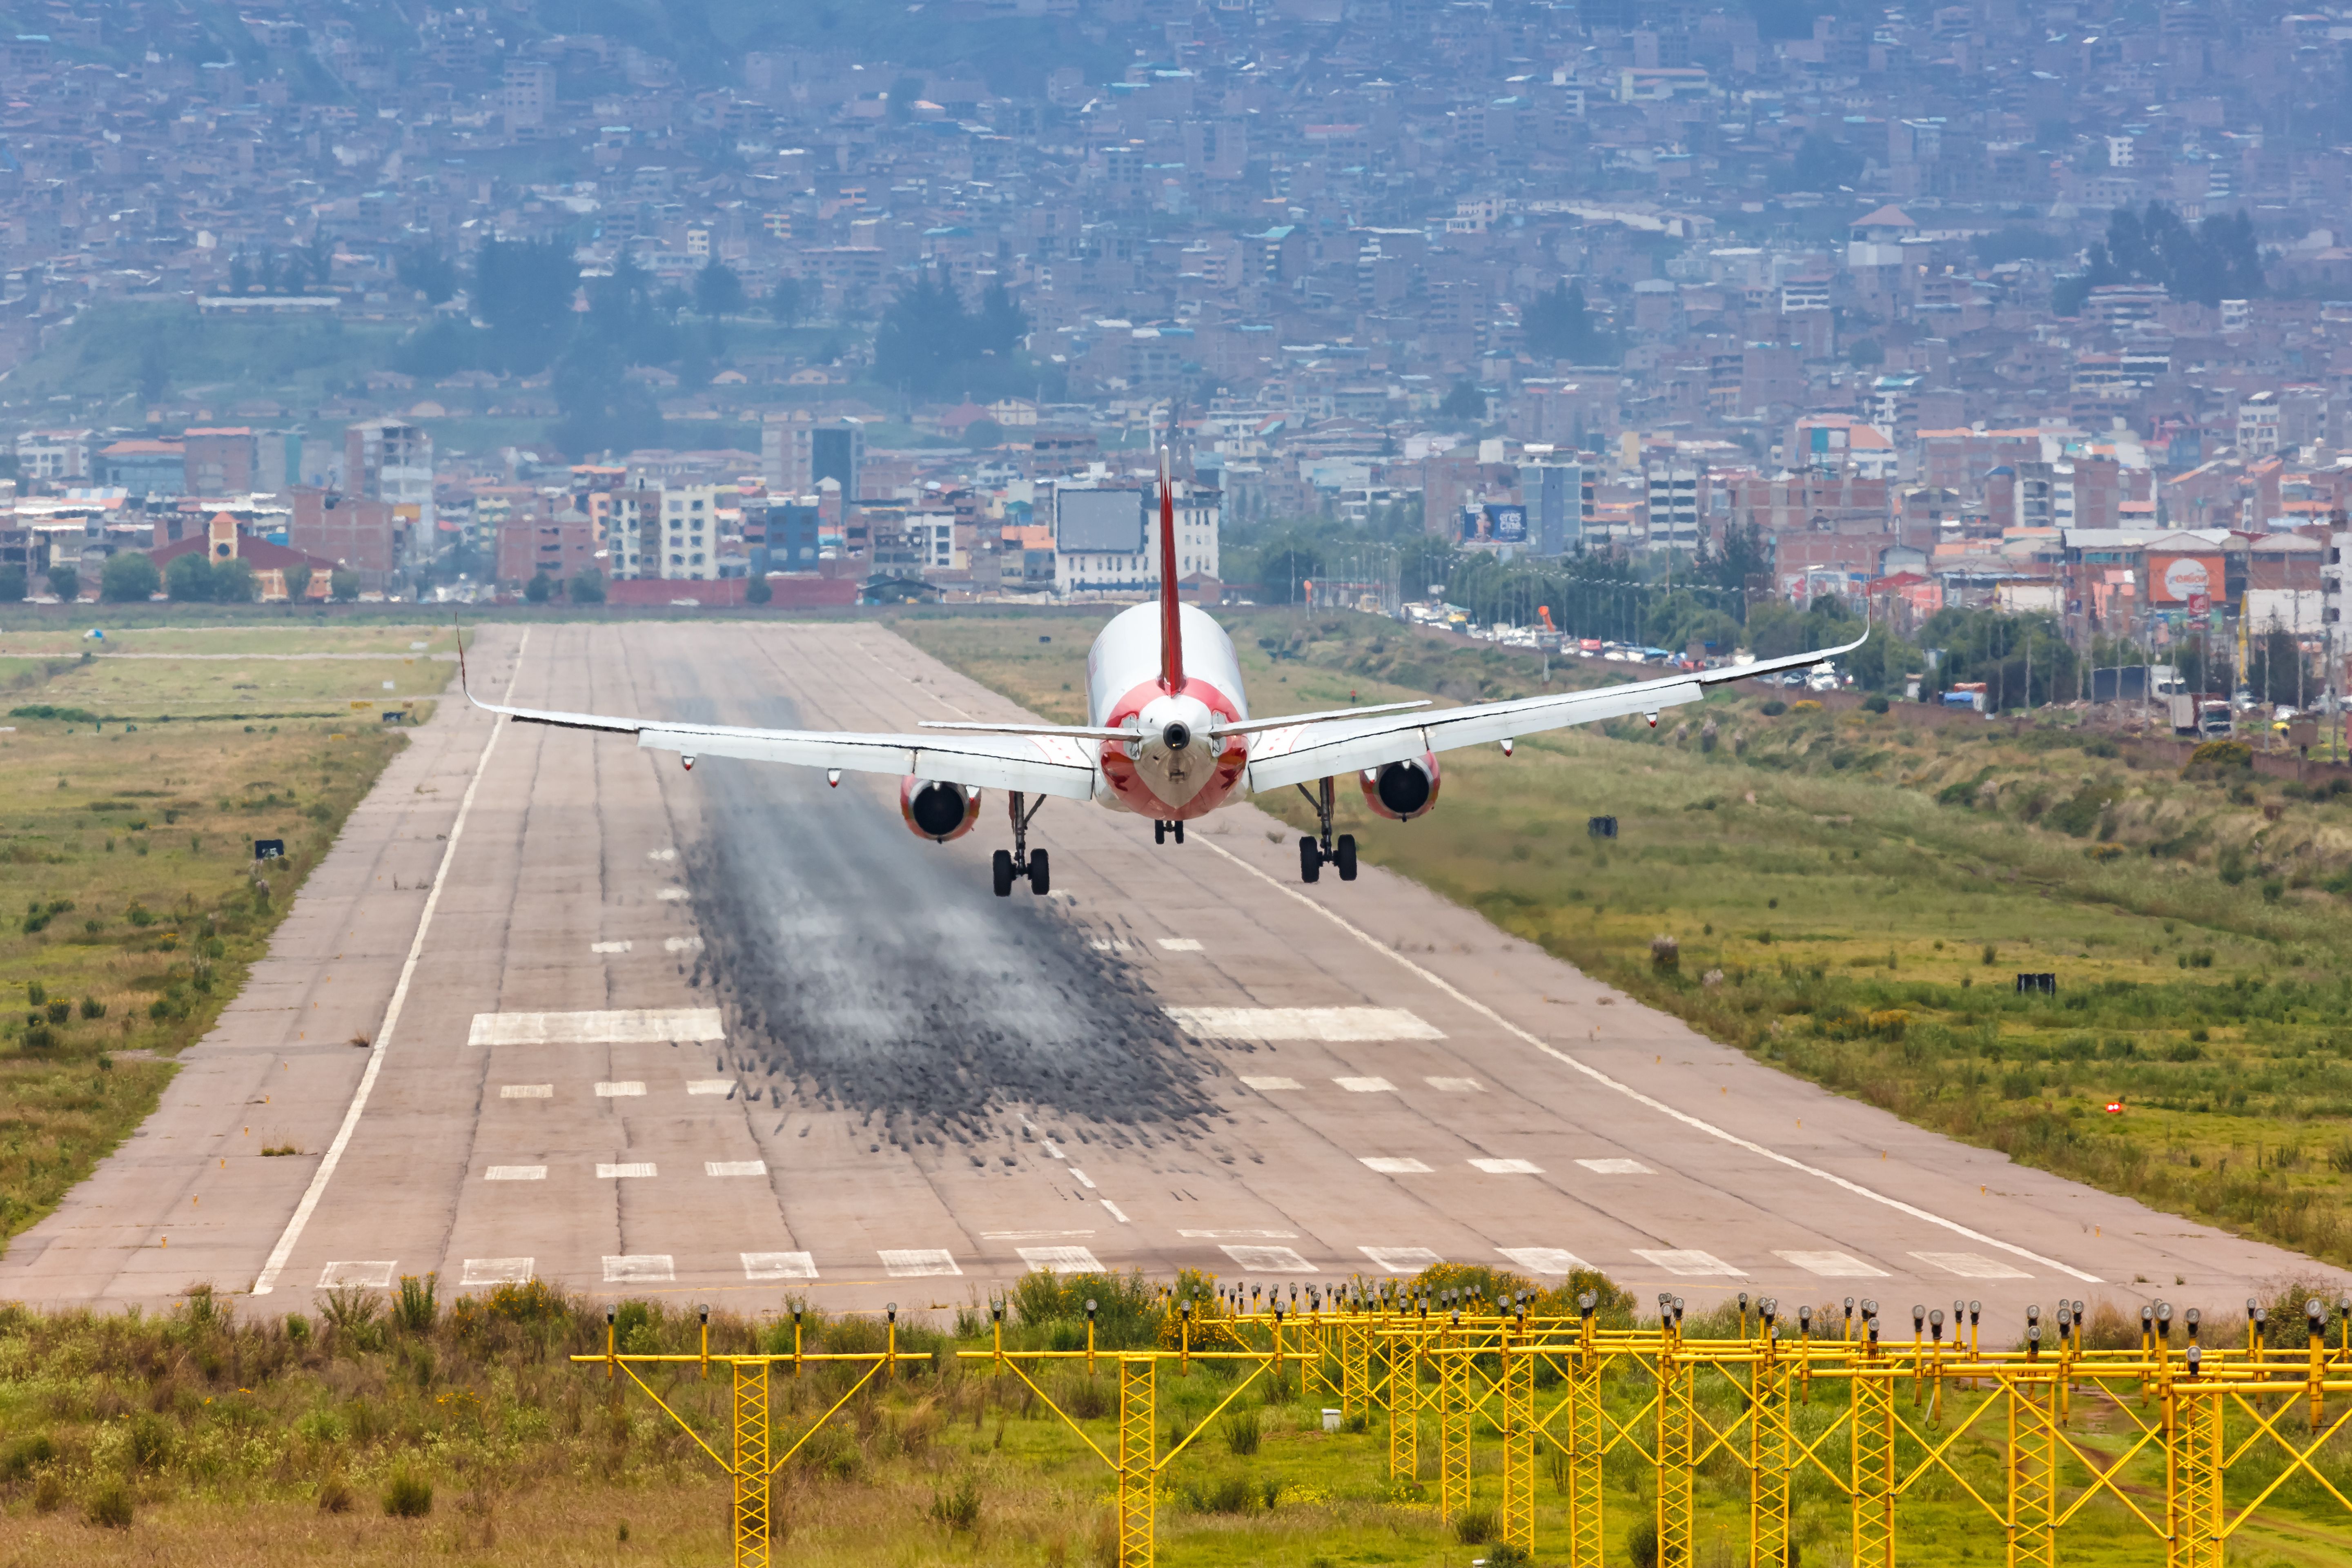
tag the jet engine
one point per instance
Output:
(937, 811)
(1403, 790)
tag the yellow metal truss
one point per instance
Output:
(1677, 1423)
(2033, 1472)
(1518, 1431)
(1355, 1366)
(1772, 1446)
(1403, 1396)
(1872, 1421)
(2196, 1475)
(1138, 1474)
(1453, 1411)
(751, 1477)
(1587, 1440)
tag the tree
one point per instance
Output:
(344, 585)
(1466, 402)
(189, 578)
(128, 579)
(928, 344)
(426, 270)
(757, 591)
(298, 582)
(64, 583)
(538, 589)
(718, 291)
(602, 408)
(522, 293)
(235, 582)
(12, 585)
(785, 301)
(1559, 326)
(2218, 260)
(588, 587)
(154, 371)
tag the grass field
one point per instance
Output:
(128, 837)
(459, 1431)
(1851, 896)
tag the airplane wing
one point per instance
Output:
(1324, 749)
(1034, 764)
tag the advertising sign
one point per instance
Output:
(2178, 578)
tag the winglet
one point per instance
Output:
(464, 684)
(1171, 638)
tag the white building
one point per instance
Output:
(689, 533)
(1108, 541)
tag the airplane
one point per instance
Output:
(1168, 737)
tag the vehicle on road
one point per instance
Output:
(1169, 736)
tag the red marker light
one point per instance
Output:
(2115, 1107)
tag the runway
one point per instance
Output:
(731, 1034)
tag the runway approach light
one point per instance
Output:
(1653, 718)
(1506, 748)
(833, 778)
(688, 760)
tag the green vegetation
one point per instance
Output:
(378, 1436)
(130, 841)
(1850, 894)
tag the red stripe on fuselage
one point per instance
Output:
(1118, 767)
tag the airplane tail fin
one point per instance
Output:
(1171, 638)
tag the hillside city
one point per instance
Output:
(2035, 309)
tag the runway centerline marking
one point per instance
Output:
(637, 1170)
(734, 1167)
(1455, 1085)
(710, 1086)
(1257, 1235)
(515, 1174)
(1627, 1089)
(629, 1027)
(267, 1281)
(1264, 1084)
(1366, 1085)
(1509, 1167)
(1180, 944)
(1337, 1025)
(1392, 1165)
(608, 947)
(527, 1091)
(1083, 1178)
(625, 1088)
(1617, 1167)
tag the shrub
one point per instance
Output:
(1241, 1431)
(1084, 1398)
(958, 1510)
(2223, 754)
(109, 1506)
(1642, 1543)
(25, 1455)
(335, 1496)
(151, 1443)
(1806, 705)
(1475, 1526)
(1665, 955)
(409, 1496)
(758, 591)
(413, 1312)
(1774, 709)
(92, 1008)
(128, 578)
(1873, 703)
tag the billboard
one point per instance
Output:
(1507, 524)
(2177, 580)
(1098, 523)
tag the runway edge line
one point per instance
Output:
(267, 1281)
(1597, 1076)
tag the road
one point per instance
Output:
(729, 1034)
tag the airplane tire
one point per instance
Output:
(1001, 867)
(1343, 855)
(1041, 881)
(1159, 833)
(1310, 860)
(1179, 828)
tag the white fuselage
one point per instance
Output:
(1150, 776)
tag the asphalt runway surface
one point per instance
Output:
(731, 1035)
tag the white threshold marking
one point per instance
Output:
(369, 1276)
(1832, 1265)
(1061, 1259)
(661, 854)
(1267, 1260)
(608, 947)
(1084, 1180)
(624, 1172)
(1030, 1235)
(640, 1268)
(527, 1091)
(1366, 1085)
(1688, 1261)
(515, 1174)
(681, 944)
(624, 1089)
(1048, 1144)
(632, 1026)
(1455, 1085)
(267, 1281)
(779, 1266)
(710, 1086)
(734, 1167)
(1968, 1265)
(1180, 944)
(496, 1271)
(1629, 1092)
(1617, 1167)
(1117, 1213)
(672, 895)
(1509, 1167)
(1265, 1085)
(1402, 1259)
(1392, 1165)
(1239, 1235)
(1544, 1260)
(1334, 1023)
(919, 1262)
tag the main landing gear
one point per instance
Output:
(1019, 862)
(1160, 830)
(1322, 850)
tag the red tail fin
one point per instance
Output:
(1171, 638)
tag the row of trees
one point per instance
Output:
(131, 577)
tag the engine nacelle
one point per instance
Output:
(937, 811)
(1403, 790)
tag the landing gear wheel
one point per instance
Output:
(1041, 880)
(1001, 867)
(1310, 859)
(1159, 833)
(1178, 829)
(1343, 855)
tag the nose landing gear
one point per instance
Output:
(1322, 849)
(1161, 831)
